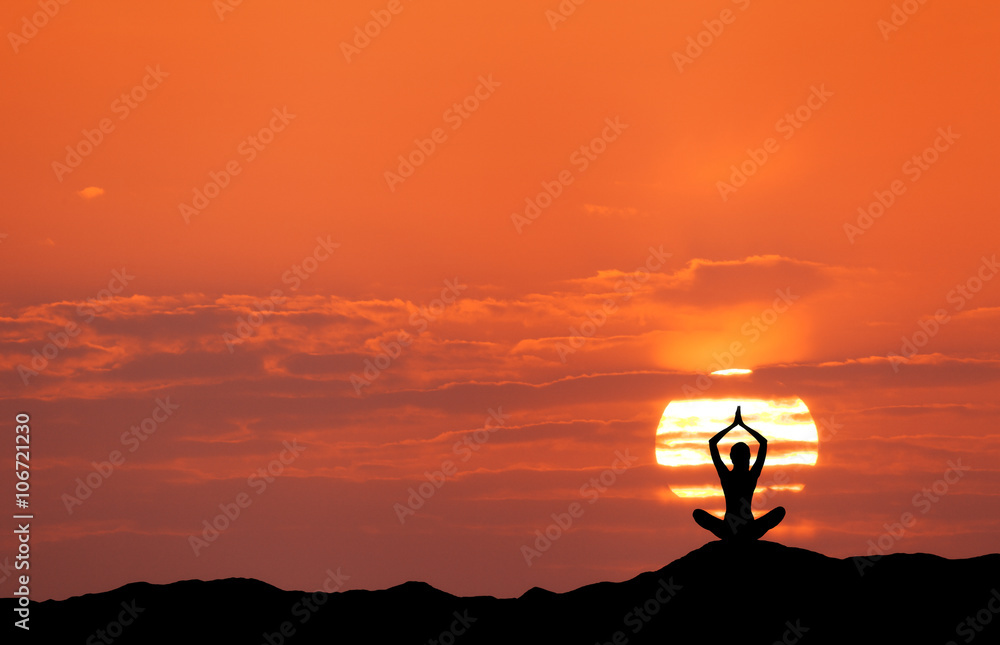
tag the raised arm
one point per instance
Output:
(713, 446)
(758, 464)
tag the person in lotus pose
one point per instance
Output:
(738, 485)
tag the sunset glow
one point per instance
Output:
(416, 286)
(687, 425)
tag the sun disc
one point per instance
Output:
(687, 425)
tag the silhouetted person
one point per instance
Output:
(738, 485)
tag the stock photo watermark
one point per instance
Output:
(786, 126)
(562, 12)
(60, 340)
(899, 16)
(640, 615)
(6, 570)
(564, 521)
(22, 501)
(455, 116)
(922, 501)
(116, 627)
(223, 7)
(464, 448)
(826, 429)
(597, 318)
(580, 159)
(972, 626)
(793, 632)
(958, 297)
(419, 320)
(460, 625)
(364, 34)
(48, 9)
(229, 512)
(753, 329)
(132, 439)
(122, 106)
(249, 148)
(306, 606)
(913, 169)
(294, 276)
(697, 44)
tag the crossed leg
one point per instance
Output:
(766, 522)
(752, 530)
(711, 523)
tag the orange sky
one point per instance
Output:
(579, 320)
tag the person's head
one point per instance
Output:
(740, 455)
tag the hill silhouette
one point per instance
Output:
(757, 592)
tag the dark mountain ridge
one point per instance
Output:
(761, 592)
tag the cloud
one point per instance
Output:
(610, 211)
(289, 379)
(90, 192)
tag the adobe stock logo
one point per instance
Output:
(231, 511)
(60, 340)
(470, 444)
(697, 44)
(250, 148)
(563, 11)
(787, 126)
(455, 116)
(39, 19)
(363, 35)
(899, 16)
(597, 318)
(419, 320)
(133, 439)
(563, 522)
(248, 325)
(959, 297)
(581, 158)
(913, 169)
(122, 106)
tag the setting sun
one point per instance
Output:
(686, 425)
(420, 278)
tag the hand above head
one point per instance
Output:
(738, 421)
